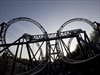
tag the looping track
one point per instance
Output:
(53, 51)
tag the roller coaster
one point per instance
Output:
(51, 54)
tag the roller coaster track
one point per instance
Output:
(36, 70)
(58, 37)
(5, 26)
(77, 19)
(71, 61)
(52, 36)
(94, 26)
(42, 37)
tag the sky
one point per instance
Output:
(51, 14)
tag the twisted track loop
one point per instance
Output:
(94, 27)
(3, 38)
(53, 51)
(77, 19)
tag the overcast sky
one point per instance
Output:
(51, 14)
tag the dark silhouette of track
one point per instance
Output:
(57, 59)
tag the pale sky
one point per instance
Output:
(51, 14)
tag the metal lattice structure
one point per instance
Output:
(47, 54)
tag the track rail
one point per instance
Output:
(40, 39)
(48, 37)
(37, 69)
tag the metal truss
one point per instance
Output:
(48, 48)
